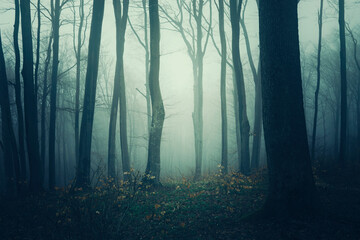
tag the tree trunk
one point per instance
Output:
(78, 76)
(158, 111)
(55, 65)
(224, 145)
(119, 93)
(11, 158)
(235, 8)
(237, 119)
(257, 131)
(147, 64)
(83, 168)
(313, 140)
(30, 106)
(37, 61)
(43, 104)
(19, 108)
(343, 114)
(291, 184)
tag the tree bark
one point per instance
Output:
(18, 99)
(291, 183)
(343, 114)
(11, 158)
(224, 142)
(313, 138)
(235, 9)
(83, 168)
(55, 65)
(158, 111)
(30, 106)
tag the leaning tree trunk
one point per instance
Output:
(11, 158)
(224, 145)
(316, 105)
(30, 106)
(55, 66)
(343, 114)
(235, 8)
(19, 108)
(83, 168)
(119, 93)
(158, 111)
(291, 183)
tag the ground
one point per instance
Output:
(216, 207)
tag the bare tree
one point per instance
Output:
(158, 111)
(121, 18)
(313, 140)
(83, 167)
(18, 98)
(11, 158)
(30, 106)
(235, 9)
(196, 48)
(343, 114)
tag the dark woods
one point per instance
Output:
(277, 120)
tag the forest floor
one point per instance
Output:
(213, 208)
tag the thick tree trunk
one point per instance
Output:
(316, 105)
(237, 119)
(235, 8)
(224, 145)
(83, 168)
(11, 158)
(147, 64)
(158, 111)
(30, 106)
(343, 114)
(55, 65)
(19, 108)
(291, 184)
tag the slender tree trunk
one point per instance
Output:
(237, 119)
(30, 106)
(37, 61)
(158, 111)
(224, 145)
(11, 158)
(83, 168)
(147, 64)
(53, 93)
(235, 8)
(343, 114)
(291, 184)
(78, 76)
(257, 131)
(43, 104)
(19, 108)
(313, 140)
(121, 18)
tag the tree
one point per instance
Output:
(158, 111)
(235, 9)
(121, 18)
(18, 98)
(30, 106)
(83, 167)
(343, 114)
(224, 145)
(291, 184)
(11, 158)
(313, 138)
(196, 49)
(257, 130)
